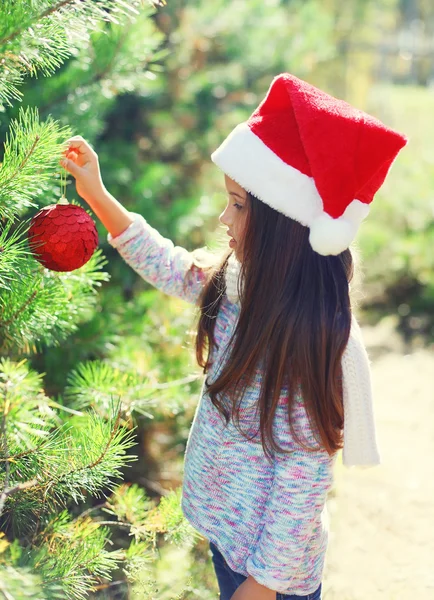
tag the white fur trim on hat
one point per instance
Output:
(245, 158)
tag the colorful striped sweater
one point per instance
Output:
(268, 519)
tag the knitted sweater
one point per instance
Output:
(268, 518)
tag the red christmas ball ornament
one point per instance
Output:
(62, 236)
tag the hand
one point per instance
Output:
(252, 590)
(82, 162)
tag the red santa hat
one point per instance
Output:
(313, 158)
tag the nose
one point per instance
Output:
(223, 218)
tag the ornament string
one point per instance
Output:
(63, 199)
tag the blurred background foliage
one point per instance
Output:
(155, 99)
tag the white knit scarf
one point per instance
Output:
(232, 276)
(360, 444)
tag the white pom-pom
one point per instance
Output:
(331, 236)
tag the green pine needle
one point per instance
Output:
(31, 157)
(39, 36)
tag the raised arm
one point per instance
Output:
(155, 258)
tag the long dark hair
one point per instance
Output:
(295, 304)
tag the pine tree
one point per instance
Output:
(55, 455)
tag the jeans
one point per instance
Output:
(229, 580)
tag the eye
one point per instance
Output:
(238, 206)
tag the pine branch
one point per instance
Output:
(94, 383)
(92, 11)
(31, 156)
(52, 482)
(34, 20)
(20, 403)
(86, 457)
(90, 510)
(115, 523)
(71, 470)
(7, 491)
(3, 438)
(44, 40)
(14, 316)
(71, 298)
(114, 431)
(107, 586)
(96, 77)
(71, 555)
(20, 487)
(12, 250)
(25, 159)
(118, 54)
(18, 456)
(130, 503)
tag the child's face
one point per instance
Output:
(234, 215)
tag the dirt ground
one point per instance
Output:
(381, 542)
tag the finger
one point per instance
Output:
(70, 166)
(76, 138)
(80, 146)
(78, 142)
(72, 155)
(76, 150)
(73, 141)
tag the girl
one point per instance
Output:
(288, 380)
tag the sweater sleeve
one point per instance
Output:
(294, 509)
(158, 261)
